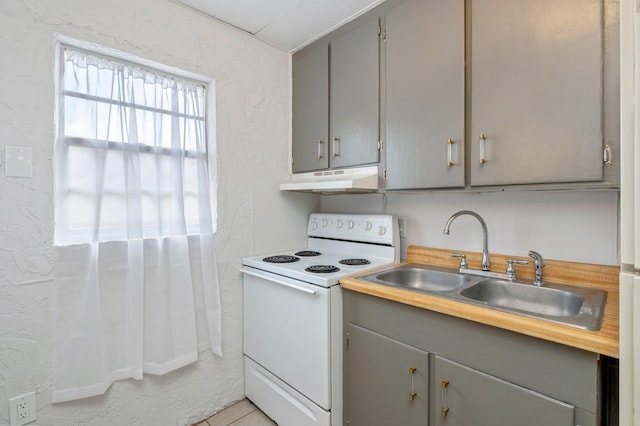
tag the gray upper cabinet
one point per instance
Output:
(354, 88)
(311, 109)
(464, 94)
(536, 91)
(336, 99)
(470, 397)
(425, 94)
(387, 381)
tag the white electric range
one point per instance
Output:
(293, 315)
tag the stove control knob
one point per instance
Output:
(339, 224)
(350, 224)
(314, 225)
(325, 222)
(368, 225)
(382, 230)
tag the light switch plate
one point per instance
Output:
(18, 161)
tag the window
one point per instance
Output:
(135, 266)
(131, 152)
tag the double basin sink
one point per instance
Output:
(574, 306)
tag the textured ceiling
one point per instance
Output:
(286, 24)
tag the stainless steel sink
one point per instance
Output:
(574, 306)
(420, 278)
(580, 307)
(525, 297)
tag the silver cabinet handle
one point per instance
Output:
(483, 141)
(320, 149)
(335, 147)
(412, 388)
(444, 410)
(277, 281)
(450, 143)
(606, 155)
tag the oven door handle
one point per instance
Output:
(277, 281)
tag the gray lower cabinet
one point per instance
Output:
(470, 397)
(477, 375)
(536, 91)
(387, 381)
(424, 78)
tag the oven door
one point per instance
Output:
(287, 331)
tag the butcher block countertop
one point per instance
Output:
(604, 341)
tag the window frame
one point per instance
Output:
(62, 141)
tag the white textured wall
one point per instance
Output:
(253, 110)
(578, 226)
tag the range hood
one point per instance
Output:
(338, 181)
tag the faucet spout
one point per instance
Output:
(486, 263)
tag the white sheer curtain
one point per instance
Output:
(136, 281)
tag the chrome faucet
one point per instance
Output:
(538, 264)
(485, 250)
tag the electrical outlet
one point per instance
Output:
(402, 225)
(22, 409)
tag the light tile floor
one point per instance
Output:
(242, 413)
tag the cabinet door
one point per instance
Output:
(425, 94)
(536, 91)
(311, 109)
(469, 397)
(354, 109)
(386, 382)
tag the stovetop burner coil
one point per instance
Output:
(281, 258)
(308, 253)
(322, 269)
(354, 262)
